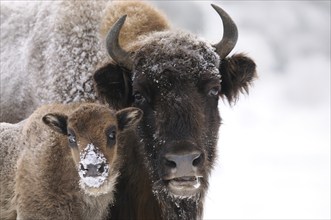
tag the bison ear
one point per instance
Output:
(128, 117)
(57, 122)
(238, 73)
(113, 86)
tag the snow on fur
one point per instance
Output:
(9, 153)
(49, 51)
(92, 155)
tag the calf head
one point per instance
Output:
(93, 133)
(176, 79)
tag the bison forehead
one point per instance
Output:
(176, 52)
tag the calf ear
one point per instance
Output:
(238, 73)
(57, 122)
(128, 117)
(113, 86)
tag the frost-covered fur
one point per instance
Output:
(10, 149)
(176, 78)
(40, 167)
(50, 49)
(168, 68)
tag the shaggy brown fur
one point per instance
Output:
(10, 150)
(142, 19)
(238, 72)
(48, 184)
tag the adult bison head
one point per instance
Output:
(176, 79)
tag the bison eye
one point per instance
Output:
(214, 91)
(139, 98)
(112, 135)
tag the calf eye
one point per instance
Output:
(214, 91)
(71, 138)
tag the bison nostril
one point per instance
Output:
(101, 168)
(197, 161)
(93, 170)
(82, 167)
(170, 164)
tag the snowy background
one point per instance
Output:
(274, 147)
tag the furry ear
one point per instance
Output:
(113, 86)
(128, 117)
(238, 73)
(57, 122)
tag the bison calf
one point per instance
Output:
(67, 158)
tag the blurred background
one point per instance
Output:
(274, 146)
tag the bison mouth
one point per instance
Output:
(184, 186)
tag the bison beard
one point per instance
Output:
(176, 79)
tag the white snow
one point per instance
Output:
(92, 155)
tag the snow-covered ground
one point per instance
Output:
(274, 146)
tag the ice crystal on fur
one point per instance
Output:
(91, 155)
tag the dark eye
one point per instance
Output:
(214, 92)
(138, 98)
(71, 138)
(112, 135)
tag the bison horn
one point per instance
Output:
(230, 34)
(115, 51)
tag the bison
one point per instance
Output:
(176, 79)
(63, 161)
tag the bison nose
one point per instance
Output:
(181, 165)
(93, 170)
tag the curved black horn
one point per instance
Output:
(230, 33)
(115, 51)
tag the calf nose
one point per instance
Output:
(93, 170)
(180, 165)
